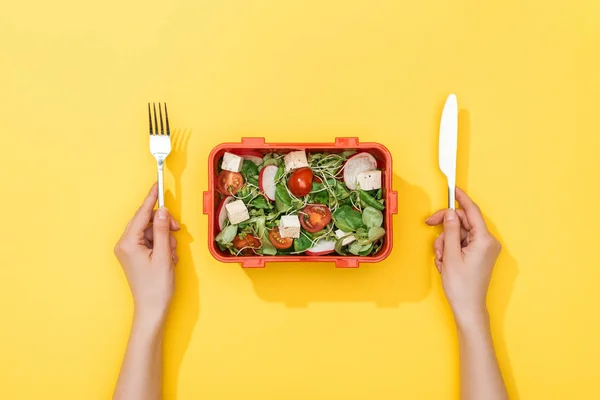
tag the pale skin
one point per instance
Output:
(147, 253)
(465, 256)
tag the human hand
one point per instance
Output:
(465, 256)
(147, 253)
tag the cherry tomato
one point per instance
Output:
(316, 179)
(300, 182)
(248, 243)
(315, 217)
(279, 242)
(229, 183)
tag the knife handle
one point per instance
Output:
(452, 197)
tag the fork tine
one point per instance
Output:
(162, 131)
(150, 119)
(167, 120)
(155, 121)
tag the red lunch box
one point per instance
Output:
(211, 198)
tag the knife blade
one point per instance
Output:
(448, 143)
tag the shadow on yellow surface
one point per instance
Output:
(185, 308)
(464, 147)
(501, 287)
(505, 271)
(386, 284)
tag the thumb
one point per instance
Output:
(452, 249)
(161, 230)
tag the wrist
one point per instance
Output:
(148, 321)
(473, 320)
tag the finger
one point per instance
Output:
(438, 246)
(144, 214)
(438, 217)
(149, 234)
(161, 249)
(464, 235)
(175, 259)
(173, 242)
(174, 224)
(452, 249)
(438, 265)
(471, 209)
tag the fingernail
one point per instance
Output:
(176, 223)
(438, 255)
(450, 215)
(427, 220)
(162, 213)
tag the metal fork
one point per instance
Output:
(160, 146)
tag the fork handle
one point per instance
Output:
(161, 185)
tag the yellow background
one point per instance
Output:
(74, 81)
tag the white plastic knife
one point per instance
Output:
(448, 144)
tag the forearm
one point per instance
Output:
(141, 371)
(479, 371)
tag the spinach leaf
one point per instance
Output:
(370, 200)
(377, 246)
(379, 195)
(297, 204)
(303, 243)
(339, 247)
(359, 249)
(283, 200)
(280, 172)
(319, 195)
(366, 249)
(227, 235)
(266, 247)
(249, 169)
(376, 234)
(256, 212)
(246, 194)
(341, 192)
(361, 233)
(261, 203)
(272, 161)
(347, 219)
(354, 248)
(261, 226)
(372, 218)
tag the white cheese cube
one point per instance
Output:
(237, 212)
(341, 234)
(295, 160)
(369, 180)
(289, 226)
(232, 163)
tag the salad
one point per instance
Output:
(297, 203)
